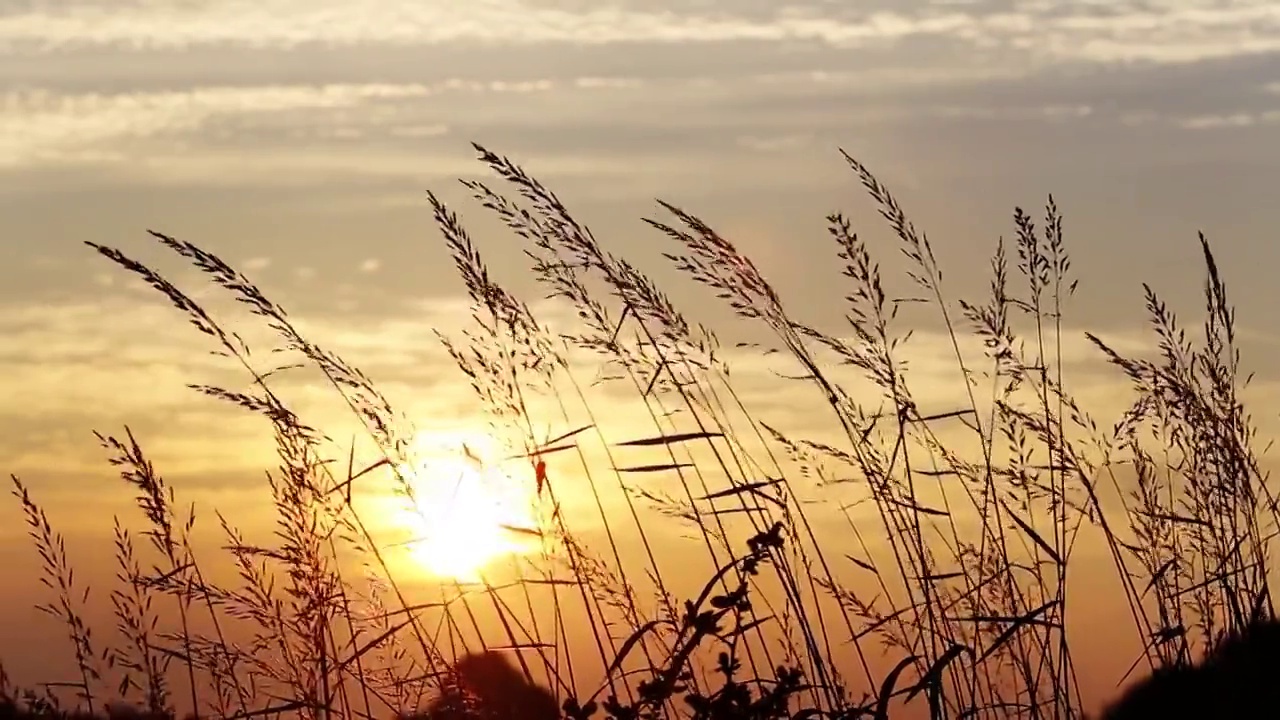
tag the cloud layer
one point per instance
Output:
(1115, 32)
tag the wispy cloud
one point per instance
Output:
(775, 143)
(1116, 32)
(40, 126)
(314, 133)
(1232, 120)
(70, 368)
(1206, 121)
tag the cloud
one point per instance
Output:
(67, 369)
(70, 368)
(775, 143)
(288, 135)
(41, 126)
(1047, 112)
(1053, 30)
(292, 23)
(1233, 120)
(1207, 121)
(90, 365)
(421, 131)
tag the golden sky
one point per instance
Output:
(296, 138)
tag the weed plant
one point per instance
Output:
(941, 592)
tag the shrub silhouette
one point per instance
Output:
(486, 686)
(1237, 679)
(32, 707)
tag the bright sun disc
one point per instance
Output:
(468, 513)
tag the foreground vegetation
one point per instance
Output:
(945, 596)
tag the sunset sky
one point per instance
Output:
(297, 139)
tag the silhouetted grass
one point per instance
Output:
(949, 597)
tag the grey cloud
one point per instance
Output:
(1209, 85)
(239, 149)
(1053, 31)
(106, 70)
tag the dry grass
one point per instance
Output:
(947, 597)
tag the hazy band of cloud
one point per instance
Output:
(212, 126)
(40, 125)
(1159, 32)
(128, 358)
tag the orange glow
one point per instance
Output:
(466, 508)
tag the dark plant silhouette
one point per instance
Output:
(487, 686)
(953, 573)
(1237, 679)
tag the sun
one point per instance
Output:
(468, 512)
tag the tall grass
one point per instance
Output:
(942, 590)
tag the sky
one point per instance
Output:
(297, 139)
